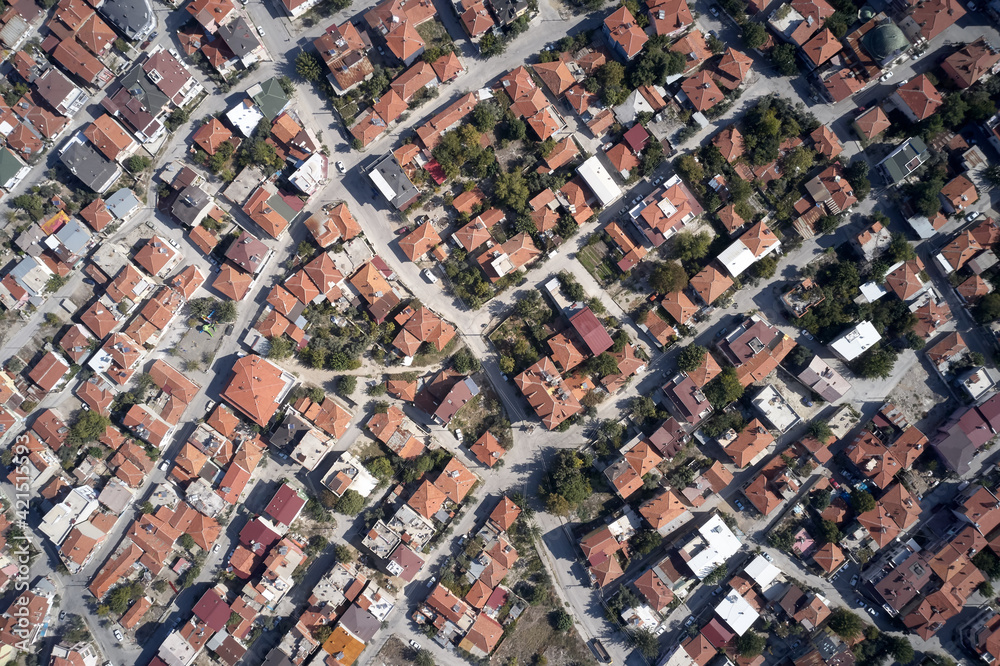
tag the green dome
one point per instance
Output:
(885, 40)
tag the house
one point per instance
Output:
(733, 69)
(750, 445)
(832, 190)
(110, 138)
(824, 380)
(422, 327)
(90, 167)
(670, 17)
(49, 371)
(872, 241)
(626, 475)
(710, 284)
(926, 19)
(158, 257)
(135, 20)
(687, 399)
(958, 194)
(76, 60)
(256, 388)
(821, 47)
(475, 18)
(419, 242)
(392, 182)
(958, 252)
(508, 257)
(917, 99)
(898, 165)
(429, 134)
(211, 135)
(344, 49)
(871, 123)
(873, 460)
(547, 393)
(966, 66)
(60, 93)
(701, 91)
(240, 39)
(855, 341)
(624, 34)
(825, 142)
(555, 75)
(297, 8)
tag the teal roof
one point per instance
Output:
(906, 159)
(279, 206)
(9, 166)
(884, 41)
(271, 100)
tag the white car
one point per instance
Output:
(458, 434)
(971, 215)
(415, 645)
(341, 168)
(216, 547)
(260, 31)
(885, 77)
(429, 276)
(118, 635)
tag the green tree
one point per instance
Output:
(831, 532)
(491, 46)
(901, 650)
(380, 468)
(89, 427)
(953, 110)
(343, 553)
(350, 503)
(691, 247)
(691, 357)
(346, 385)
(647, 643)
(138, 163)
(900, 249)
(877, 362)
(603, 364)
(987, 309)
(307, 66)
(821, 431)
(280, 348)
(845, 624)
(716, 575)
(485, 117)
(783, 57)
(561, 620)
(766, 267)
(511, 189)
(226, 312)
(751, 644)
(992, 174)
(667, 277)
(754, 35)
(424, 658)
(646, 541)
(187, 541)
(724, 388)
(862, 501)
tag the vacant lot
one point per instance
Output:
(922, 397)
(534, 635)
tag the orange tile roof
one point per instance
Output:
(419, 241)
(188, 281)
(960, 192)
(679, 306)
(455, 481)
(752, 441)
(254, 387)
(822, 47)
(427, 500)
(905, 281)
(692, 46)
(448, 67)
(920, 96)
(108, 137)
(547, 394)
(934, 16)
(390, 106)
(203, 238)
(565, 352)
(872, 122)
(662, 509)
(232, 282)
(624, 31)
(405, 86)
(669, 16)
(210, 135)
(155, 255)
(702, 91)
(710, 283)
(826, 142)
(261, 212)
(404, 40)
(370, 283)
(733, 68)
(622, 158)
(368, 127)
(555, 75)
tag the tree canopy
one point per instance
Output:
(667, 277)
(691, 357)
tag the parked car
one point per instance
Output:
(854, 580)
(717, 591)
(415, 645)
(971, 215)
(118, 636)
(972, 6)
(458, 434)
(429, 275)
(739, 504)
(341, 168)
(768, 557)
(216, 547)
(431, 581)
(872, 611)
(403, 230)
(885, 77)
(688, 622)
(260, 30)
(861, 603)
(62, 615)
(714, 10)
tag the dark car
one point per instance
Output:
(230, 329)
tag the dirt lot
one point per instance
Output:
(922, 397)
(534, 635)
